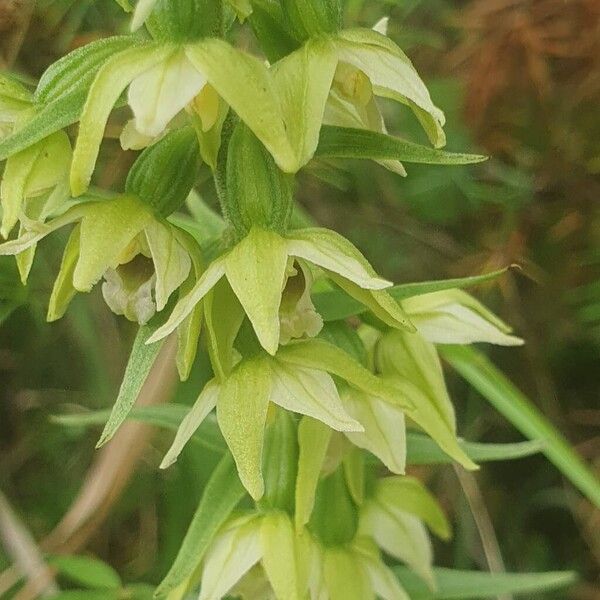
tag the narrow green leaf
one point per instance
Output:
(422, 450)
(167, 416)
(221, 495)
(49, 119)
(141, 359)
(334, 305)
(86, 571)
(523, 414)
(348, 142)
(474, 585)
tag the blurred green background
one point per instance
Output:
(519, 80)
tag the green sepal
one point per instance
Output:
(76, 71)
(164, 174)
(185, 20)
(280, 463)
(311, 18)
(258, 193)
(334, 519)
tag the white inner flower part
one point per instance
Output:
(297, 314)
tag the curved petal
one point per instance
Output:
(172, 264)
(206, 401)
(310, 392)
(233, 553)
(159, 93)
(333, 252)
(185, 306)
(385, 429)
(392, 75)
(108, 85)
(385, 583)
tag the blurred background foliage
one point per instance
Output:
(518, 80)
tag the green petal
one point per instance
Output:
(392, 75)
(255, 269)
(333, 252)
(455, 317)
(400, 535)
(172, 263)
(106, 229)
(385, 430)
(303, 80)
(379, 302)
(159, 93)
(409, 495)
(206, 401)
(385, 583)
(233, 553)
(246, 85)
(224, 315)
(279, 557)
(187, 304)
(310, 392)
(108, 85)
(313, 440)
(318, 354)
(142, 11)
(63, 290)
(242, 413)
(409, 356)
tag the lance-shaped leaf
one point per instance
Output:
(242, 412)
(523, 414)
(347, 142)
(63, 290)
(221, 495)
(474, 585)
(140, 362)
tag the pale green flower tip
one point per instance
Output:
(79, 184)
(255, 487)
(168, 460)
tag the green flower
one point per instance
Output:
(299, 378)
(141, 259)
(246, 544)
(262, 269)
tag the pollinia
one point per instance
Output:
(323, 371)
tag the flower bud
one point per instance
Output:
(311, 18)
(334, 519)
(257, 193)
(163, 175)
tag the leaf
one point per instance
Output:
(334, 305)
(474, 585)
(167, 416)
(48, 120)
(221, 495)
(140, 362)
(422, 450)
(86, 571)
(348, 142)
(523, 414)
